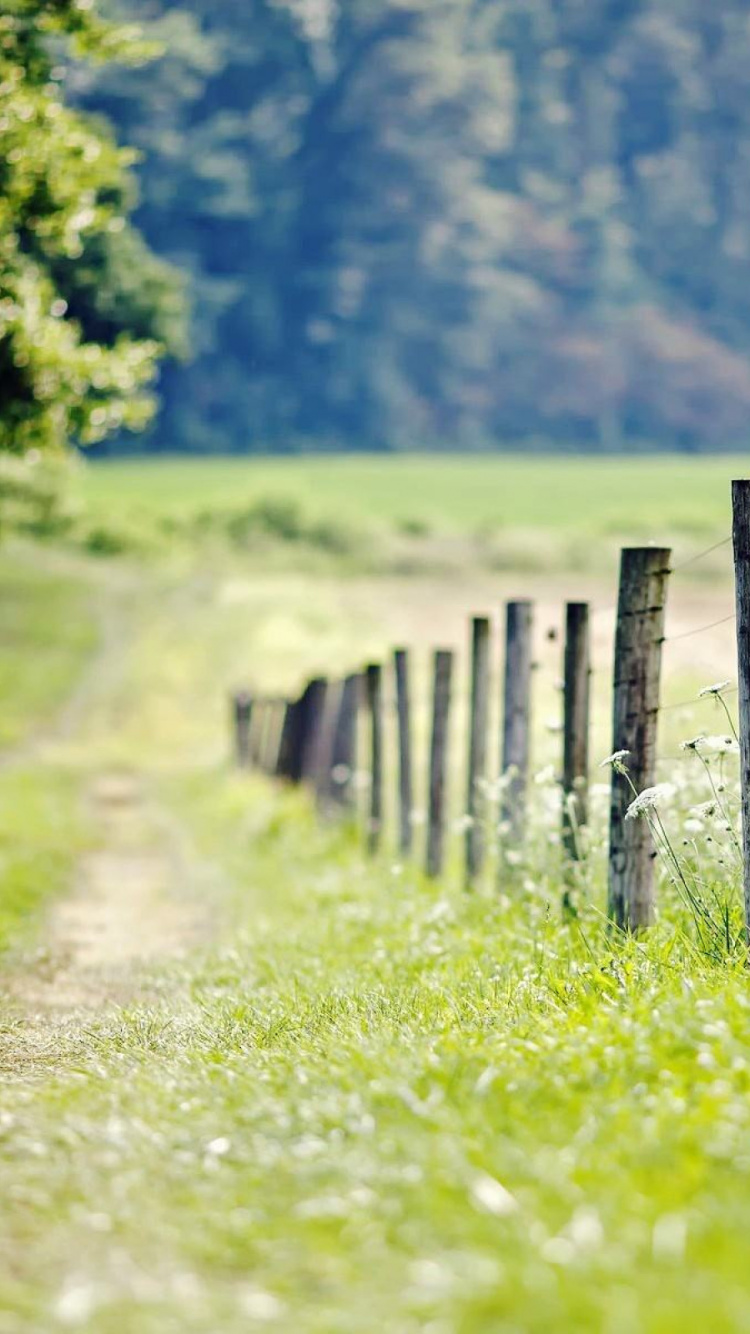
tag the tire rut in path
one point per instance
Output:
(131, 906)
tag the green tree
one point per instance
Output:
(448, 222)
(85, 309)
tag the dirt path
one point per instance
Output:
(133, 903)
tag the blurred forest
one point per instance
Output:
(438, 223)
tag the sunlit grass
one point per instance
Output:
(48, 631)
(369, 1103)
(418, 512)
(638, 496)
(389, 1105)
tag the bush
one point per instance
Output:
(36, 495)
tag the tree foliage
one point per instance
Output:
(85, 308)
(448, 222)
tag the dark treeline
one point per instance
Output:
(447, 224)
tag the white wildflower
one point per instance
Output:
(615, 761)
(463, 824)
(717, 689)
(704, 811)
(219, 1147)
(649, 799)
(259, 1305)
(719, 745)
(693, 744)
(488, 1194)
(693, 826)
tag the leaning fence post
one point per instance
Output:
(517, 711)
(405, 783)
(283, 757)
(273, 736)
(344, 749)
(323, 763)
(644, 572)
(441, 701)
(576, 705)
(242, 712)
(312, 724)
(375, 706)
(741, 533)
(479, 705)
(258, 732)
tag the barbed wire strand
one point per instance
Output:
(699, 699)
(687, 634)
(693, 560)
(675, 569)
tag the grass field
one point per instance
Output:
(647, 498)
(252, 1080)
(417, 514)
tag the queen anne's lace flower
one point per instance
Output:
(615, 761)
(717, 689)
(649, 799)
(704, 810)
(719, 745)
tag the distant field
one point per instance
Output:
(646, 498)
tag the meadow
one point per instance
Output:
(253, 1079)
(661, 494)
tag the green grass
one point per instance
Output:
(48, 632)
(42, 834)
(648, 497)
(384, 1105)
(368, 1103)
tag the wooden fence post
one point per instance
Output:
(273, 736)
(283, 758)
(258, 732)
(242, 712)
(405, 781)
(576, 707)
(516, 715)
(375, 708)
(344, 749)
(644, 572)
(741, 537)
(323, 763)
(441, 701)
(479, 705)
(313, 712)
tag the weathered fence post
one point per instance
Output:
(344, 749)
(741, 534)
(441, 701)
(312, 711)
(479, 705)
(258, 731)
(516, 716)
(242, 712)
(324, 746)
(273, 737)
(375, 709)
(283, 758)
(576, 703)
(644, 572)
(405, 782)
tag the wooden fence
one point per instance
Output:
(334, 733)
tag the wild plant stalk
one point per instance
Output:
(690, 893)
